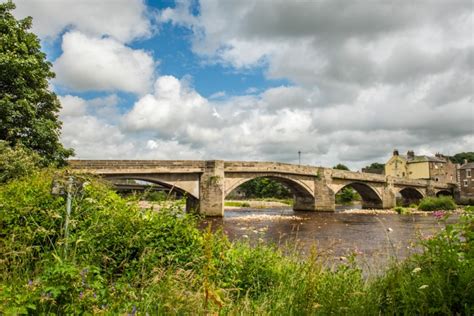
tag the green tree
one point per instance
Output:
(347, 195)
(28, 109)
(460, 157)
(376, 165)
(340, 166)
(265, 188)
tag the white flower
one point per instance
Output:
(416, 270)
(424, 286)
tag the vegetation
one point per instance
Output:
(340, 166)
(460, 157)
(236, 204)
(376, 165)
(28, 109)
(402, 210)
(442, 203)
(120, 259)
(16, 162)
(265, 188)
(347, 195)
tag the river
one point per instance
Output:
(373, 239)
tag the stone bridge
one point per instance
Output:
(206, 183)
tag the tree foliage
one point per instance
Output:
(375, 166)
(460, 157)
(347, 195)
(28, 109)
(340, 166)
(265, 188)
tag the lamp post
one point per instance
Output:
(299, 157)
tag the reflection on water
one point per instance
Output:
(374, 238)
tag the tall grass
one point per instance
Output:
(124, 260)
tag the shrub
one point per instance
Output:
(16, 162)
(402, 210)
(442, 203)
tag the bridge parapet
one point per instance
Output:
(258, 166)
(357, 176)
(138, 166)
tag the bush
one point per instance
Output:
(402, 210)
(109, 237)
(16, 162)
(442, 203)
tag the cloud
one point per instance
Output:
(366, 77)
(102, 64)
(363, 78)
(123, 20)
(172, 109)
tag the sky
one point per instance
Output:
(341, 81)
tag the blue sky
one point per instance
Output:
(260, 80)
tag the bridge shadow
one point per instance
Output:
(408, 196)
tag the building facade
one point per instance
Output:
(438, 168)
(466, 181)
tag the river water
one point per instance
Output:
(375, 240)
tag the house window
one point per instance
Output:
(468, 173)
(403, 173)
(465, 182)
(436, 179)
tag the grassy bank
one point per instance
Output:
(121, 259)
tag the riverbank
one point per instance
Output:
(115, 258)
(236, 205)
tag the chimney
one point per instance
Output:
(395, 152)
(465, 162)
(411, 154)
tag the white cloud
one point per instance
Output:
(364, 80)
(72, 106)
(124, 20)
(170, 109)
(89, 63)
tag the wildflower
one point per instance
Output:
(81, 295)
(30, 282)
(424, 286)
(438, 214)
(416, 270)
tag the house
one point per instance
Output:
(465, 175)
(436, 168)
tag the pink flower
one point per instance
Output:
(438, 214)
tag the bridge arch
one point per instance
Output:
(302, 192)
(371, 198)
(184, 188)
(409, 195)
(167, 184)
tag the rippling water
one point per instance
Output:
(374, 238)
